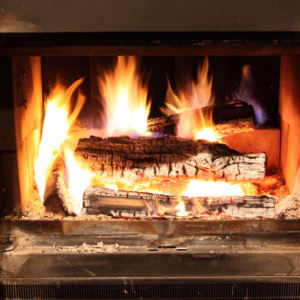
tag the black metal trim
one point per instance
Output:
(198, 290)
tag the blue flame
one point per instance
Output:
(246, 93)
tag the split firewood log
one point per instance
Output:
(97, 200)
(166, 158)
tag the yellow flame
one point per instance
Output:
(197, 188)
(194, 95)
(206, 134)
(181, 209)
(78, 180)
(58, 118)
(112, 187)
(125, 99)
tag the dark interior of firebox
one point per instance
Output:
(157, 70)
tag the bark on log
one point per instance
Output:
(167, 158)
(99, 200)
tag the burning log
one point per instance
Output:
(166, 158)
(99, 200)
(231, 118)
(57, 192)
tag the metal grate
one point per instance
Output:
(153, 291)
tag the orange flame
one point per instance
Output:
(193, 123)
(58, 118)
(125, 99)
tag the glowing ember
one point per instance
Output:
(206, 134)
(182, 212)
(56, 124)
(197, 188)
(195, 94)
(125, 100)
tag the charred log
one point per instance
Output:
(228, 119)
(99, 200)
(148, 158)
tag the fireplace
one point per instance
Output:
(112, 184)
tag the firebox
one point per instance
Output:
(153, 162)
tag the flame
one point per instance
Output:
(197, 188)
(206, 134)
(112, 187)
(194, 95)
(125, 99)
(58, 118)
(246, 93)
(181, 207)
(78, 180)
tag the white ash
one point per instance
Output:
(287, 207)
(84, 248)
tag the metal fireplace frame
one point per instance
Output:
(207, 251)
(170, 253)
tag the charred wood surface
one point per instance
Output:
(98, 200)
(171, 157)
(220, 130)
(237, 116)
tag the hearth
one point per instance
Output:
(149, 165)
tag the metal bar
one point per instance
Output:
(162, 228)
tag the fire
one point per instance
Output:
(194, 95)
(197, 188)
(58, 118)
(78, 180)
(206, 134)
(181, 209)
(125, 99)
(112, 187)
(246, 93)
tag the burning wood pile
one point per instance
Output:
(163, 167)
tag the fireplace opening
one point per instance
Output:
(158, 138)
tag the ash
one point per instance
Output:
(288, 207)
(84, 248)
